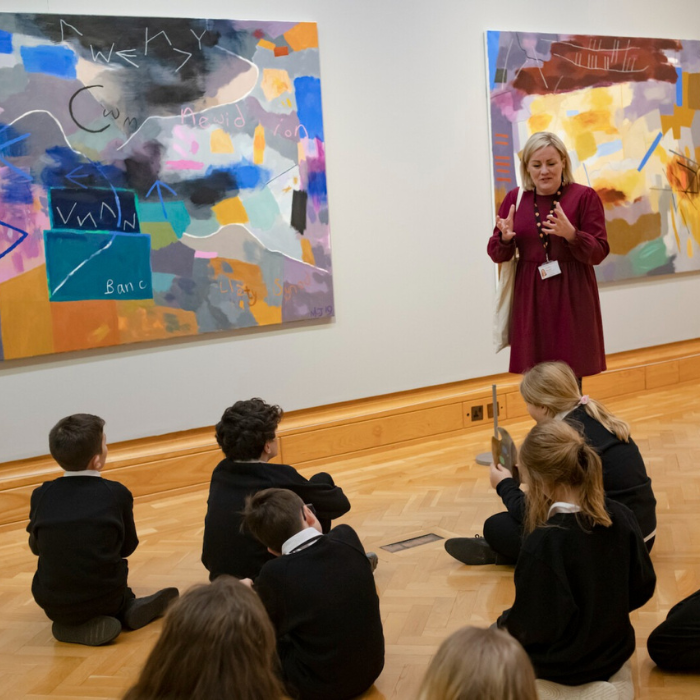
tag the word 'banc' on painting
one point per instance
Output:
(628, 110)
(158, 178)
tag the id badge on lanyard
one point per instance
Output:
(549, 269)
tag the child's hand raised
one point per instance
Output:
(497, 473)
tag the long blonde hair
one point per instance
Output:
(542, 139)
(555, 454)
(553, 386)
(217, 642)
(479, 664)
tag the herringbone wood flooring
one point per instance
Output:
(434, 487)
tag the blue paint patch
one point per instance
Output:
(93, 209)
(52, 60)
(16, 189)
(5, 42)
(162, 281)
(652, 148)
(71, 169)
(308, 97)
(317, 187)
(88, 266)
(679, 86)
(493, 45)
(12, 142)
(248, 175)
(605, 149)
(572, 112)
(175, 214)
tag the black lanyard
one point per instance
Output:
(544, 236)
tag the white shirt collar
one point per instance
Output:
(308, 533)
(84, 472)
(564, 414)
(562, 507)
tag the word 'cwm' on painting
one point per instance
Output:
(158, 178)
(628, 110)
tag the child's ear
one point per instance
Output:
(272, 551)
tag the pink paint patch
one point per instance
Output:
(184, 164)
(194, 147)
(205, 254)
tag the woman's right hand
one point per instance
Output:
(505, 226)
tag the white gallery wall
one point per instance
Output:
(408, 164)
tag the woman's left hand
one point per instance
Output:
(558, 224)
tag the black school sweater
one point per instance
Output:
(227, 550)
(82, 528)
(323, 603)
(574, 591)
(625, 477)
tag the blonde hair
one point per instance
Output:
(555, 454)
(553, 386)
(479, 664)
(542, 139)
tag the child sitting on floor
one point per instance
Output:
(583, 565)
(247, 435)
(81, 526)
(320, 594)
(479, 664)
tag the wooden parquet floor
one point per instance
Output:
(434, 486)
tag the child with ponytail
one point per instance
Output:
(583, 565)
(551, 392)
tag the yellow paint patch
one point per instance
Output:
(690, 247)
(230, 211)
(681, 117)
(539, 122)
(259, 145)
(275, 82)
(675, 228)
(631, 182)
(25, 315)
(265, 44)
(585, 145)
(307, 253)
(303, 36)
(220, 142)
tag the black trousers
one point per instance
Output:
(675, 644)
(78, 614)
(505, 536)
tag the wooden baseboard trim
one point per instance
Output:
(314, 437)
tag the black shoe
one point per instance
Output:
(373, 560)
(141, 611)
(473, 551)
(93, 633)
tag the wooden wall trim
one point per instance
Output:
(313, 437)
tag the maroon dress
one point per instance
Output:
(557, 318)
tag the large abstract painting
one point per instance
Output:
(628, 110)
(158, 178)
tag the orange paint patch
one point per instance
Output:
(275, 82)
(230, 211)
(25, 315)
(259, 145)
(220, 142)
(265, 44)
(281, 51)
(84, 324)
(611, 196)
(143, 320)
(303, 36)
(307, 253)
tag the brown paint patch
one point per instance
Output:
(682, 175)
(694, 90)
(611, 197)
(623, 237)
(585, 61)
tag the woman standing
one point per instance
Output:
(559, 233)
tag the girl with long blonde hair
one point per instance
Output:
(217, 642)
(479, 664)
(551, 392)
(583, 565)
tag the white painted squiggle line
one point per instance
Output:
(85, 262)
(58, 123)
(206, 109)
(252, 235)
